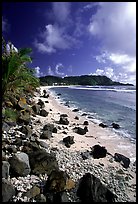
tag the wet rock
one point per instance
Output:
(43, 113)
(125, 161)
(63, 121)
(76, 118)
(8, 190)
(92, 190)
(41, 103)
(19, 164)
(59, 181)
(42, 162)
(75, 110)
(5, 169)
(84, 114)
(46, 134)
(36, 109)
(115, 125)
(86, 123)
(98, 152)
(68, 140)
(102, 125)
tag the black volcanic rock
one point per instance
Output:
(98, 152)
(125, 161)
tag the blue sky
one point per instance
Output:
(75, 38)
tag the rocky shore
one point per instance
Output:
(57, 156)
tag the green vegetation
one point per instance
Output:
(18, 80)
(90, 80)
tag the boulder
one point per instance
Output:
(26, 130)
(86, 123)
(42, 162)
(8, 190)
(86, 129)
(36, 109)
(102, 125)
(98, 152)
(24, 118)
(76, 118)
(75, 110)
(59, 181)
(92, 190)
(29, 147)
(40, 198)
(63, 115)
(49, 127)
(80, 130)
(41, 103)
(68, 140)
(54, 130)
(63, 121)
(115, 125)
(5, 169)
(31, 193)
(125, 161)
(43, 113)
(19, 164)
(46, 134)
(5, 127)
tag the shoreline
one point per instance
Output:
(95, 135)
(107, 135)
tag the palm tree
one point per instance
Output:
(15, 74)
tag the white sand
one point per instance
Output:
(96, 135)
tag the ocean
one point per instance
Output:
(106, 104)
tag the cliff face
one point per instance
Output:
(79, 80)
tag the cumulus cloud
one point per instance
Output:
(59, 66)
(50, 71)
(115, 25)
(54, 37)
(38, 73)
(61, 11)
(116, 76)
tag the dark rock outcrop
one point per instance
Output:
(41, 103)
(24, 118)
(42, 162)
(19, 164)
(92, 190)
(63, 120)
(8, 190)
(43, 113)
(26, 130)
(46, 134)
(49, 127)
(75, 110)
(103, 125)
(68, 140)
(59, 181)
(98, 152)
(86, 123)
(125, 161)
(80, 130)
(115, 125)
(36, 109)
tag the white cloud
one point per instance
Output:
(115, 25)
(61, 11)
(54, 37)
(59, 66)
(50, 71)
(38, 73)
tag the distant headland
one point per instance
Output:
(90, 80)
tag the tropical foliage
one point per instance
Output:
(16, 76)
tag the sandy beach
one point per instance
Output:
(95, 135)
